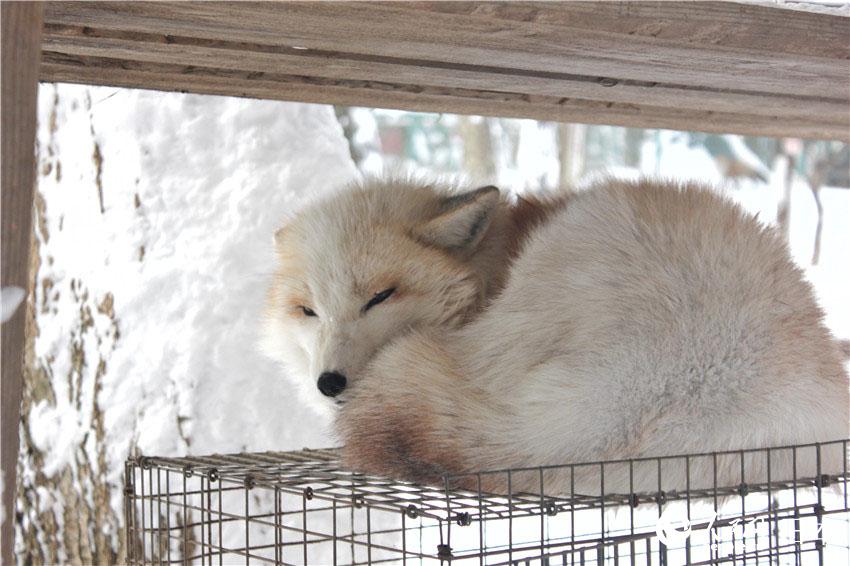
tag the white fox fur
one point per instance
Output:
(628, 320)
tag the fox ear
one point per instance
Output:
(462, 221)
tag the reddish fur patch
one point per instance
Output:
(400, 440)
(529, 213)
(394, 434)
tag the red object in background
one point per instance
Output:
(392, 139)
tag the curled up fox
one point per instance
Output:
(453, 331)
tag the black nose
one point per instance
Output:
(331, 383)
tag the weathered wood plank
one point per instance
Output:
(21, 36)
(193, 52)
(399, 29)
(712, 66)
(722, 24)
(64, 68)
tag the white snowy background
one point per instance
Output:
(158, 212)
(200, 184)
(193, 188)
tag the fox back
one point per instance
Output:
(640, 319)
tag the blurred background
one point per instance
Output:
(152, 254)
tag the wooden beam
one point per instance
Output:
(21, 36)
(420, 98)
(194, 56)
(721, 67)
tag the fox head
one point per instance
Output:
(364, 267)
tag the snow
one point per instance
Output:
(814, 6)
(667, 154)
(11, 298)
(536, 159)
(193, 189)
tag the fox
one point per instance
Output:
(449, 331)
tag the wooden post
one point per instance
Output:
(21, 56)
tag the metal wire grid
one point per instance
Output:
(302, 508)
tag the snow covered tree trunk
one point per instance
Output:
(633, 143)
(348, 123)
(75, 495)
(571, 153)
(824, 157)
(783, 207)
(478, 159)
(151, 256)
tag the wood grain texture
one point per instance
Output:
(21, 36)
(709, 66)
(419, 98)
(193, 53)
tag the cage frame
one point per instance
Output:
(315, 475)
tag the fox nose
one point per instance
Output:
(331, 383)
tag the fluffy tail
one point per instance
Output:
(844, 348)
(406, 417)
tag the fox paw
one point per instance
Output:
(398, 439)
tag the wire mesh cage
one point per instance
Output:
(303, 508)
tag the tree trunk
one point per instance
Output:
(478, 159)
(349, 130)
(571, 153)
(634, 142)
(65, 515)
(783, 208)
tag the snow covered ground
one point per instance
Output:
(155, 252)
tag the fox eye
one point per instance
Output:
(379, 298)
(308, 311)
